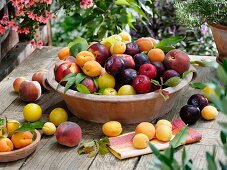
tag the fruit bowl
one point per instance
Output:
(21, 153)
(125, 109)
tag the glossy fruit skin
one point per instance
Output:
(110, 92)
(32, 112)
(132, 49)
(126, 90)
(128, 75)
(140, 141)
(89, 83)
(140, 59)
(106, 80)
(142, 84)
(128, 60)
(112, 128)
(163, 133)
(100, 52)
(209, 113)
(198, 100)
(159, 67)
(58, 116)
(114, 65)
(148, 70)
(190, 114)
(169, 74)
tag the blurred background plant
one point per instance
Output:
(155, 18)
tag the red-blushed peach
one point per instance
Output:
(39, 76)
(17, 82)
(68, 134)
(6, 145)
(22, 139)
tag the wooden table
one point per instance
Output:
(50, 155)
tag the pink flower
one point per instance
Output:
(86, 4)
(32, 42)
(40, 44)
(2, 30)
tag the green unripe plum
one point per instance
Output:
(126, 90)
(106, 80)
(110, 92)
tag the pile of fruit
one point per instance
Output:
(119, 66)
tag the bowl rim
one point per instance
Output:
(32, 145)
(124, 98)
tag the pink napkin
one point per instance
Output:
(122, 147)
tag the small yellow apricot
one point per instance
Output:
(164, 133)
(209, 113)
(163, 122)
(147, 129)
(112, 128)
(118, 48)
(49, 128)
(140, 141)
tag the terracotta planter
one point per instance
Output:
(125, 109)
(220, 37)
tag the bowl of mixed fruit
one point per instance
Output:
(120, 79)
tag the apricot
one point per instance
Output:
(163, 122)
(125, 36)
(164, 133)
(154, 41)
(156, 55)
(92, 68)
(68, 134)
(49, 128)
(64, 53)
(209, 113)
(39, 76)
(6, 145)
(140, 141)
(112, 128)
(58, 116)
(11, 126)
(146, 128)
(114, 37)
(22, 139)
(118, 48)
(84, 56)
(30, 91)
(145, 44)
(17, 82)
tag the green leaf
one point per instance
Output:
(100, 92)
(155, 82)
(173, 81)
(223, 137)
(69, 76)
(103, 145)
(180, 138)
(225, 65)
(222, 75)
(136, 8)
(77, 45)
(169, 41)
(96, 82)
(79, 78)
(82, 89)
(154, 149)
(37, 125)
(121, 2)
(69, 83)
(5, 135)
(183, 157)
(198, 85)
(25, 127)
(2, 121)
(211, 161)
(86, 147)
(186, 73)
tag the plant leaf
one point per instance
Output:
(180, 137)
(211, 161)
(69, 84)
(183, 157)
(100, 92)
(121, 2)
(222, 75)
(77, 45)
(82, 89)
(173, 81)
(223, 137)
(2, 122)
(155, 82)
(154, 149)
(198, 85)
(186, 73)
(86, 147)
(96, 82)
(169, 41)
(79, 78)
(103, 146)
(37, 125)
(25, 127)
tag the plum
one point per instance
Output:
(190, 114)
(128, 75)
(132, 49)
(114, 65)
(198, 100)
(169, 74)
(140, 59)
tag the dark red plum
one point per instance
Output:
(89, 83)
(128, 60)
(114, 65)
(140, 59)
(169, 74)
(148, 70)
(132, 49)
(190, 114)
(128, 75)
(198, 100)
(159, 67)
(142, 84)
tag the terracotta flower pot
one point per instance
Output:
(220, 37)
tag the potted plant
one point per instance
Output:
(194, 13)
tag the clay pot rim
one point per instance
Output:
(33, 145)
(218, 26)
(72, 93)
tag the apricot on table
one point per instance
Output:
(209, 113)
(118, 48)
(164, 133)
(145, 44)
(58, 116)
(140, 141)
(112, 128)
(64, 53)
(92, 68)
(17, 82)
(146, 128)
(49, 128)
(84, 56)
(22, 139)
(11, 126)
(163, 122)
(6, 145)
(156, 54)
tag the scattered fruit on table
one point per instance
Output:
(68, 134)
(112, 128)
(49, 128)
(140, 141)
(6, 145)
(163, 133)
(116, 62)
(58, 116)
(209, 112)
(40, 76)
(163, 122)
(146, 128)
(22, 139)
(17, 82)
(32, 112)
(11, 126)
(190, 114)
(198, 100)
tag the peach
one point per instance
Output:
(39, 76)
(118, 48)
(84, 56)
(17, 82)
(140, 141)
(68, 134)
(64, 53)
(30, 91)
(145, 44)
(6, 145)
(22, 139)
(12, 125)
(146, 128)
(92, 68)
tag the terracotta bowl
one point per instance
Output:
(21, 153)
(125, 109)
